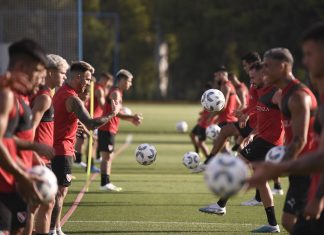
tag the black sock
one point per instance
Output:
(271, 215)
(196, 149)
(104, 179)
(208, 158)
(97, 153)
(257, 195)
(222, 202)
(78, 157)
(235, 147)
(277, 185)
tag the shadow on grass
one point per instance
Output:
(127, 204)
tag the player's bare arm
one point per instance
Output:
(299, 105)
(75, 105)
(100, 96)
(41, 104)
(41, 149)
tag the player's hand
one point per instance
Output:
(27, 188)
(238, 113)
(115, 107)
(243, 120)
(44, 150)
(314, 209)
(263, 171)
(137, 119)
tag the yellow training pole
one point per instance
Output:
(91, 131)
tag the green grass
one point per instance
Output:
(162, 198)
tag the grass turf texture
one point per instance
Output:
(162, 198)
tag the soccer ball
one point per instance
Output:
(213, 131)
(190, 160)
(182, 127)
(145, 154)
(213, 100)
(125, 110)
(48, 186)
(275, 154)
(225, 175)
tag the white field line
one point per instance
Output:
(154, 222)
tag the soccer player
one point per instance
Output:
(312, 221)
(27, 62)
(43, 125)
(270, 133)
(68, 109)
(298, 105)
(106, 133)
(241, 89)
(198, 133)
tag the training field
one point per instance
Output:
(162, 198)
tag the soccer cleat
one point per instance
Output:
(110, 187)
(59, 232)
(199, 168)
(277, 191)
(252, 202)
(94, 169)
(267, 229)
(80, 164)
(52, 233)
(213, 209)
(98, 160)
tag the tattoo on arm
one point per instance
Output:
(83, 115)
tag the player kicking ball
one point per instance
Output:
(107, 132)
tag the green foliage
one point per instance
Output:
(201, 35)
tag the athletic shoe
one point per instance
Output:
(199, 168)
(267, 229)
(110, 187)
(94, 169)
(52, 233)
(98, 160)
(80, 164)
(213, 209)
(277, 191)
(59, 232)
(252, 202)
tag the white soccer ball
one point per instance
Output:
(182, 127)
(125, 110)
(213, 131)
(145, 154)
(190, 160)
(213, 100)
(225, 175)
(275, 154)
(48, 186)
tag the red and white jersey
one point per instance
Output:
(228, 114)
(269, 124)
(97, 109)
(205, 120)
(65, 123)
(251, 108)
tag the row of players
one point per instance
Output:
(36, 128)
(280, 111)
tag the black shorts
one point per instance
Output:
(13, 212)
(61, 166)
(244, 132)
(309, 227)
(296, 197)
(106, 141)
(200, 132)
(256, 150)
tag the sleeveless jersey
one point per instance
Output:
(204, 119)
(65, 123)
(287, 92)
(269, 124)
(45, 130)
(24, 130)
(228, 113)
(251, 108)
(7, 180)
(113, 124)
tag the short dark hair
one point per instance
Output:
(81, 66)
(251, 57)
(220, 68)
(27, 48)
(279, 53)
(107, 75)
(257, 66)
(315, 32)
